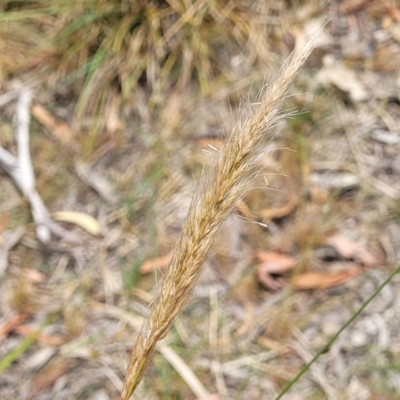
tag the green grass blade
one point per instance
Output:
(334, 337)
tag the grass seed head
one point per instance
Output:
(218, 192)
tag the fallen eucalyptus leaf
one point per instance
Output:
(352, 250)
(85, 221)
(318, 280)
(272, 264)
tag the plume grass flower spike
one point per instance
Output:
(215, 198)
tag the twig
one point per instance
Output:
(215, 198)
(21, 171)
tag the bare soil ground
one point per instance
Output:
(313, 238)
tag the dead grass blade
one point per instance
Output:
(185, 372)
(217, 194)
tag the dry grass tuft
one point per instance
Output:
(93, 45)
(213, 202)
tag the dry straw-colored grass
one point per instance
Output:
(94, 45)
(215, 198)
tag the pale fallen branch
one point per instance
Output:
(20, 169)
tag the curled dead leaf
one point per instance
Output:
(85, 221)
(279, 212)
(272, 264)
(275, 264)
(352, 250)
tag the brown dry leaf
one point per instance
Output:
(11, 324)
(273, 263)
(279, 212)
(352, 250)
(282, 261)
(50, 340)
(60, 130)
(85, 221)
(318, 280)
(156, 263)
(49, 375)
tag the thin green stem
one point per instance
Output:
(334, 337)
